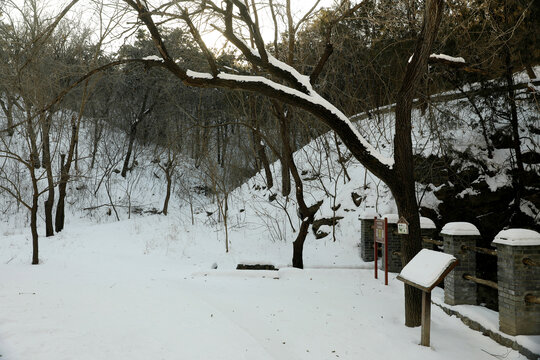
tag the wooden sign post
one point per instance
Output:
(425, 271)
(380, 235)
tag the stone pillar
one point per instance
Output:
(366, 238)
(517, 279)
(458, 290)
(394, 245)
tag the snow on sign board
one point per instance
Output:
(427, 269)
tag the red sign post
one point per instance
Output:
(380, 235)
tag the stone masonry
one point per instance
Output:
(394, 240)
(458, 290)
(366, 242)
(516, 280)
(394, 247)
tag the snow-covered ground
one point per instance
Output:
(146, 289)
(156, 287)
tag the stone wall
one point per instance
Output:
(458, 290)
(516, 280)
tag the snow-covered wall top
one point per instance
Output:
(460, 228)
(426, 267)
(518, 237)
(425, 223)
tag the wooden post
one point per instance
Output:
(380, 235)
(426, 318)
(375, 248)
(433, 266)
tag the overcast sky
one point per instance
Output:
(85, 12)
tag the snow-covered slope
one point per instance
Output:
(154, 286)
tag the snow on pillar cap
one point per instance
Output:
(368, 215)
(425, 223)
(460, 229)
(518, 237)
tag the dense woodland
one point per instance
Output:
(59, 75)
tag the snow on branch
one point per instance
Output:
(152, 58)
(447, 59)
(300, 86)
(314, 98)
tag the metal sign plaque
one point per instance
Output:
(379, 233)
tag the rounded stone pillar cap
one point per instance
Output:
(427, 223)
(460, 229)
(518, 237)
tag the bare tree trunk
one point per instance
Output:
(517, 179)
(33, 219)
(98, 129)
(298, 245)
(167, 194)
(8, 111)
(168, 170)
(402, 184)
(133, 131)
(46, 148)
(34, 155)
(257, 140)
(263, 158)
(285, 172)
(307, 214)
(64, 175)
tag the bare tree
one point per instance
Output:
(289, 86)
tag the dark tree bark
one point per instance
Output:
(7, 108)
(46, 148)
(143, 112)
(402, 184)
(298, 244)
(168, 170)
(306, 214)
(263, 158)
(132, 134)
(517, 179)
(167, 194)
(34, 154)
(285, 171)
(33, 216)
(258, 144)
(98, 130)
(65, 167)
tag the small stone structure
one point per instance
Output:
(394, 240)
(458, 290)
(366, 237)
(518, 272)
(427, 226)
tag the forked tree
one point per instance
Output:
(280, 81)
